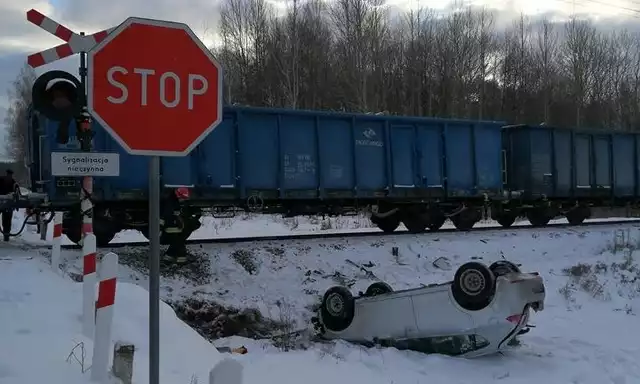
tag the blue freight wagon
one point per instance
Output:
(418, 171)
(559, 171)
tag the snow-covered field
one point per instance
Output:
(587, 334)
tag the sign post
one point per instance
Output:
(157, 89)
(154, 269)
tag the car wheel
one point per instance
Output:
(473, 286)
(502, 267)
(378, 288)
(337, 309)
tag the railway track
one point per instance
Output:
(376, 233)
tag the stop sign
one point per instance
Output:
(155, 87)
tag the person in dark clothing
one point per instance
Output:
(173, 227)
(7, 185)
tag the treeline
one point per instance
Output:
(353, 55)
(15, 121)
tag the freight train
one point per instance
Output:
(417, 171)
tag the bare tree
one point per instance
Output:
(350, 55)
(546, 56)
(285, 51)
(16, 118)
(352, 25)
(576, 60)
(486, 45)
(244, 30)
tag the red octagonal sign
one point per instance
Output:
(155, 87)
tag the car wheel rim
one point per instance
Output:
(472, 282)
(335, 304)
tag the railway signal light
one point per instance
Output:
(59, 97)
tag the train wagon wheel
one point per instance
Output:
(578, 215)
(506, 220)
(437, 221)
(538, 218)
(74, 234)
(465, 220)
(387, 224)
(414, 223)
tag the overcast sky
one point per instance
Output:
(18, 38)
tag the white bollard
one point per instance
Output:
(227, 371)
(89, 279)
(56, 242)
(104, 317)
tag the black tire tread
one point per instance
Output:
(378, 285)
(481, 301)
(337, 323)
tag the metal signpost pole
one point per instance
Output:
(154, 270)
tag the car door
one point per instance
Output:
(385, 317)
(437, 313)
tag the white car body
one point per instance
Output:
(432, 314)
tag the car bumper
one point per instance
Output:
(524, 318)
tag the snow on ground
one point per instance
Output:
(297, 272)
(587, 334)
(41, 329)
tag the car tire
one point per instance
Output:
(502, 267)
(473, 286)
(337, 309)
(378, 288)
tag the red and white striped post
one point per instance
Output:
(56, 241)
(104, 317)
(89, 279)
(86, 206)
(88, 244)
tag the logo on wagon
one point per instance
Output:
(369, 135)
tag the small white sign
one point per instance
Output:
(85, 164)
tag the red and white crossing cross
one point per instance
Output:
(75, 43)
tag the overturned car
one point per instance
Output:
(478, 313)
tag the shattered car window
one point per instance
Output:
(445, 345)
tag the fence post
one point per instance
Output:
(56, 241)
(122, 366)
(89, 278)
(104, 317)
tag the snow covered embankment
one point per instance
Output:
(41, 330)
(585, 335)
